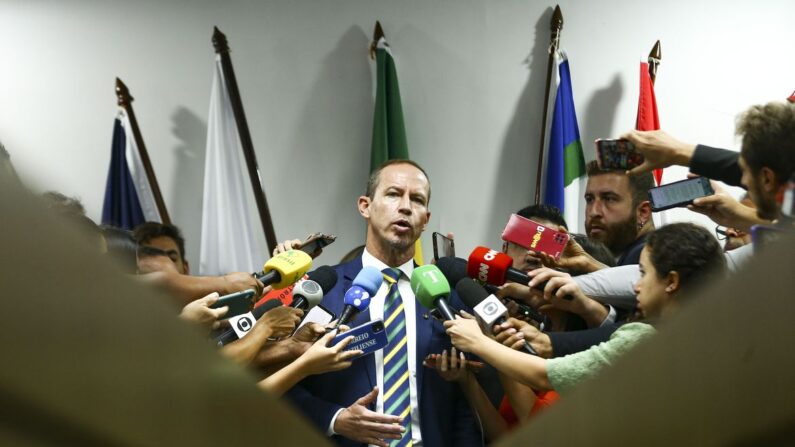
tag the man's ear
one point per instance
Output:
(364, 206)
(644, 211)
(672, 282)
(767, 180)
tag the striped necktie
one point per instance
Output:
(397, 393)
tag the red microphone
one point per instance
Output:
(493, 267)
(490, 266)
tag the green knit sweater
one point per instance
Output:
(567, 372)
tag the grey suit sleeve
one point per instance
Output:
(614, 286)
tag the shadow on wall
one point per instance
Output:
(331, 147)
(186, 202)
(515, 178)
(599, 118)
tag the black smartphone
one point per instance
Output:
(368, 337)
(315, 243)
(679, 193)
(617, 154)
(442, 245)
(238, 302)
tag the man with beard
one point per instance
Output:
(617, 211)
(387, 398)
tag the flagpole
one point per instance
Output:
(655, 57)
(222, 49)
(556, 26)
(124, 100)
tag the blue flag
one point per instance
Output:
(128, 197)
(565, 162)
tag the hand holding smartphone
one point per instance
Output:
(534, 236)
(314, 243)
(472, 365)
(368, 338)
(238, 302)
(679, 193)
(617, 154)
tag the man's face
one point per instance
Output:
(609, 215)
(170, 248)
(760, 191)
(398, 212)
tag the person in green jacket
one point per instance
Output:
(676, 258)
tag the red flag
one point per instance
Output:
(792, 97)
(647, 109)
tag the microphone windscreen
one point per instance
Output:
(325, 276)
(428, 284)
(470, 292)
(488, 266)
(291, 265)
(265, 307)
(370, 279)
(452, 268)
(357, 297)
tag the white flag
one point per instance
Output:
(228, 244)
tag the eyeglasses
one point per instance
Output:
(720, 232)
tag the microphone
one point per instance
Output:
(492, 267)
(307, 293)
(454, 269)
(432, 289)
(243, 323)
(357, 298)
(284, 269)
(487, 307)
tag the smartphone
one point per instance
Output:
(763, 236)
(534, 236)
(238, 302)
(442, 245)
(471, 365)
(617, 154)
(679, 193)
(317, 314)
(368, 338)
(315, 243)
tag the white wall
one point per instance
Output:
(471, 74)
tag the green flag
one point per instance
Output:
(389, 132)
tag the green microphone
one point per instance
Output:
(432, 289)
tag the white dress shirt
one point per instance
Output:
(377, 313)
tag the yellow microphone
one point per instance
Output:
(285, 269)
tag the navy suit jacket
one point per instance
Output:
(445, 416)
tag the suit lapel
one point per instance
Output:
(423, 334)
(351, 270)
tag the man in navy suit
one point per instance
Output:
(422, 408)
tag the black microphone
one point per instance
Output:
(487, 307)
(454, 269)
(308, 293)
(245, 323)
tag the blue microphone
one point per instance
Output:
(357, 298)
